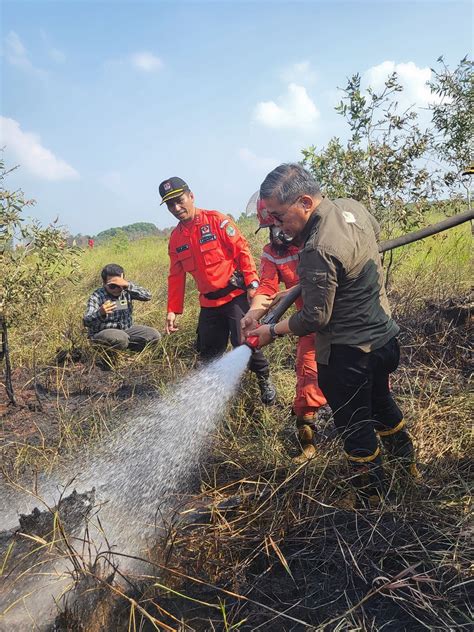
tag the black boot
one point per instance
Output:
(400, 446)
(369, 482)
(267, 390)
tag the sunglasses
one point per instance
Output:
(114, 286)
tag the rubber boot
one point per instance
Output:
(369, 482)
(306, 436)
(267, 390)
(399, 445)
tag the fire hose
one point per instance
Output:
(273, 315)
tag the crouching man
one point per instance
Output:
(109, 310)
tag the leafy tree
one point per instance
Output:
(32, 260)
(453, 118)
(120, 241)
(380, 163)
(131, 231)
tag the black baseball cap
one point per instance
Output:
(171, 188)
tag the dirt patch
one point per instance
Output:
(439, 332)
(59, 403)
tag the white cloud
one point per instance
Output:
(257, 163)
(412, 78)
(17, 55)
(145, 61)
(300, 73)
(28, 150)
(295, 109)
(57, 55)
(53, 53)
(15, 46)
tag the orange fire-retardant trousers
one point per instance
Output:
(309, 396)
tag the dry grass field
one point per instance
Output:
(259, 543)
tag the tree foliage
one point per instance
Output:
(32, 257)
(380, 163)
(119, 241)
(131, 231)
(453, 117)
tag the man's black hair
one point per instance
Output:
(287, 182)
(111, 270)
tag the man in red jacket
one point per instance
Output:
(209, 246)
(278, 265)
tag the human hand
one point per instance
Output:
(278, 296)
(248, 322)
(262, 332)
(171, 323)
(118, 282)
(107, 308)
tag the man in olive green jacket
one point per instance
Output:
(345, 304)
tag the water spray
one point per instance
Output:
(139, 472)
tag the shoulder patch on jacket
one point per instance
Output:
(230, 230)
(223, 223)
(182, 248)
(349, 217)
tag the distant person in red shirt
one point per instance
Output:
(209, 246)
(90, 242)
(279, 264)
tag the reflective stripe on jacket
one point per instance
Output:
(276, 268)
(210, 248)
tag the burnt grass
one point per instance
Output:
(267, 544)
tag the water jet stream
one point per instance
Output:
(136, 472)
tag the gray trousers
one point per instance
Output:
(135, 338)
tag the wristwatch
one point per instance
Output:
(273, 333)
(253, 285)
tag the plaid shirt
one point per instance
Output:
(119, 319)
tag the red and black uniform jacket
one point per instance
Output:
(211, 248)
(276, 268)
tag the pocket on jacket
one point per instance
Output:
(211, 253)
(186, 259)
(317, 281)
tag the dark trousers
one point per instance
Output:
(356, 385)
(217, 323)
(135, 338)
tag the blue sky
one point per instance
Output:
(103, 100)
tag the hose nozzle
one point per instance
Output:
(252, 343)
(274, 314)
